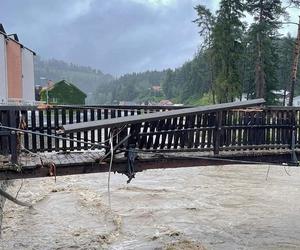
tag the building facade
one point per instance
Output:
(16, 70)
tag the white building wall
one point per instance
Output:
(28, 75)
(3, 70)
(296, 101)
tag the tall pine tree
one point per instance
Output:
(263, 33)
(227, 49)
(206, 21)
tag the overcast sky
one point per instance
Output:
(115, 36)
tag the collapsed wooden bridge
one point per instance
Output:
(66, 140)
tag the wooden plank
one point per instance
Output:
(85, 133)
(120, 133)
(33, 128)
(184, 135)
(177, 134)
(263, 122)
(273, 114)
(144, 137)
(118, 122)
(240, 131)
(268, 130)
(78, 134)
(217, 132)
(229, 131)
(203, 133)
(64, 121)
(297, 121)
(93, 130)
(279, 130)
(99, 131)
(56, 126)
(71, 121)
(246, 119)
(113, 116)
(24, 116)
(41, 130)
(13, 115)
(234, 131)
(222, 131)
(106, 135)
(211, 123)
(251, 131)
(49, 132)
(166, 128)
(150, 138)
(157, 136)
(171, 133)
(4, 134)
(198, 124)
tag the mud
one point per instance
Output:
(224, 207)
(3, 186)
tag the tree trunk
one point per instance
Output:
(260, 81)
(295, 66)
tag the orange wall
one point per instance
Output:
(14, 69)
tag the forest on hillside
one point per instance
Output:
(85, 78)
(234, 57)
(133, 87)
(237, 57)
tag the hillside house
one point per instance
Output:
(62, 92)
(16, 70)
(166, 103)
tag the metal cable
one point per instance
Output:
(53, 136)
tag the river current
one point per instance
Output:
(215, 207)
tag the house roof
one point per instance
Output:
(2, 28)
(13, 37)
(66, 83)
(165, 102)
(156, 87)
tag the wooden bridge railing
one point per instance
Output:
(214, 128)
(49, 120)
(227, 130)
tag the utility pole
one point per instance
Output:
(295, 66)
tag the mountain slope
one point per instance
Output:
(85, 78)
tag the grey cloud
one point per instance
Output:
(116, 36)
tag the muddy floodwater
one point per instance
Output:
(215, 207)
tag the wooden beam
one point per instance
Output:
(119, 166)
(121, 121)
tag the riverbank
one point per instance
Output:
(3, 186)
(224, 207)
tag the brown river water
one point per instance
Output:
(215, 207)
